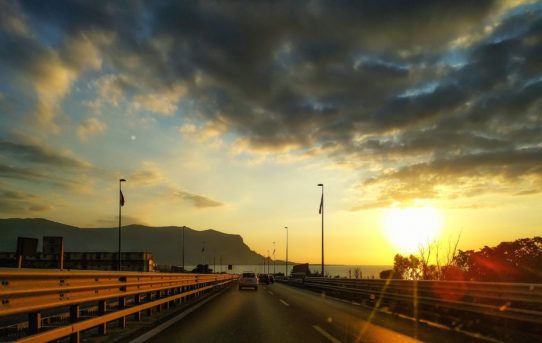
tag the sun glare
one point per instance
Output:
(410, 228)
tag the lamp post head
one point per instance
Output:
(122, 180)
(320, 185)
(286, 227)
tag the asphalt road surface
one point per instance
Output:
(279, 313)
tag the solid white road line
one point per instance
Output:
(325, 334)
(284, 302)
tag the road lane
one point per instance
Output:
(281, 313)
(242, 316)
(353, 323)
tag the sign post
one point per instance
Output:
(25, 247)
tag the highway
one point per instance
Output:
(281, 313)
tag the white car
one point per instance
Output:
(248, 280)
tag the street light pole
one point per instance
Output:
(322, 213)
(121, 203)
(184, 227)
(286, 270)
(274, 260)
(268, 261)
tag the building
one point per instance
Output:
(131, 261)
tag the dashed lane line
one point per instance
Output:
(284, 302)
(270, 293)
(326, 334)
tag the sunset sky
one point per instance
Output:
(227, 115)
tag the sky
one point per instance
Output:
(227, 115)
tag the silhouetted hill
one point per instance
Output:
(164, 242)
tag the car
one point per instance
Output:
(263, 278)
(248, 280)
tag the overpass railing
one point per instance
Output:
(455, 303)
(58, 304)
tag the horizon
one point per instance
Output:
(227, 117)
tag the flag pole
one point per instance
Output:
(184, 227)
(121, 203)
(322, 212)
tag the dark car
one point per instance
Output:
(263, 279)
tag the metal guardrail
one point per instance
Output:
(508, 302)
(31, 292)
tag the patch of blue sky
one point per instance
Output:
(532, 81)
(284, 57)
(504, 35)
(523, 9)
(47, 33)
(520, 26)
(143, 30)
(426, 88)
(454, 58)
(366, 60)
(317, 106)
(74, 102)
(187, 108)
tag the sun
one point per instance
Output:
(410, 228)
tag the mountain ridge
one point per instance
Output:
(164, 242)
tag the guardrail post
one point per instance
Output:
(168, 294)
(149, 298)
(75, 313)
(34, 322)
(137, 301)
(102, 305)
(122, 304)
(159, 295)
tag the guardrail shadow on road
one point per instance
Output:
(507, 311)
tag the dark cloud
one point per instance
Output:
(445, 89)
(517, 172)
(198, 201)
(38, 154)
(17, 202)
(35, 162)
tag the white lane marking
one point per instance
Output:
(325, 334)
(270, 293)
(284, 302)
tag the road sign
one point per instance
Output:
(27, 246)
(53, 245)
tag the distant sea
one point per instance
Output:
(342, 270)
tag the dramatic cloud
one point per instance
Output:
(432, 95)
